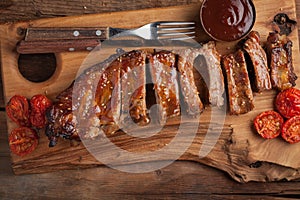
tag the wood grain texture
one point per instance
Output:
(236, 150)
(181, 180)
(174, 182)
(22, 10)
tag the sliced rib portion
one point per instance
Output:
(238, 84)
(190, 95)
(133, 88)
(207, 62)
(164, 77)
(279, 51)
(63, 117)
(61, 121)
(258, 69)
(107, 100)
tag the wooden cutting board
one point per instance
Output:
(238, 150)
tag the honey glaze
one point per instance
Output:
(227, 20)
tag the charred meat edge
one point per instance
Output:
(190, 95)
(133, 89)
(238, 84)
(164, 77)
(214, 79)
(279, 52)
(258, 65)
(102, 113)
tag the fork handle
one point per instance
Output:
(65, 33)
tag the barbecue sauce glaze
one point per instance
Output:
(227, 20)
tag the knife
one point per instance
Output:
(65, 39)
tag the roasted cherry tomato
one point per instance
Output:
(291, 130)
(23, 140)
(268, 124)
(288, 102)
(17, 110)
(39, 104)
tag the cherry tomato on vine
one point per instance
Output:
(17, 110)
(291, 130)
(23, 140)
(288, 102)
(39, 104)
(268, 124)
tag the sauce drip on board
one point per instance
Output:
(227, 20)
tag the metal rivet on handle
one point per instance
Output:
(76, 33)
(71, 49)
(89, 48)
(98, 32)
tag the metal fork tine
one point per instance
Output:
(175, 29)
(176, 33)
(175, 23)
(165, 29)
(182, 38)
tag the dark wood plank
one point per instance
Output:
(1, 91)
(179, 181)
(3, 125)
(4, 149)
(21, 10)
(106, 183)
(235, 158)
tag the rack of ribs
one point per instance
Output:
(110, 95)
(258, 65)
(238, 84)
(279, 52)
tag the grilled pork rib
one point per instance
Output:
(279, 52)
(238, 84)
(192, 102)
(216, 79)
(61, 121)
(164, 77)
(133, 88)
(207, 63)
(258, 70)
(92, 105)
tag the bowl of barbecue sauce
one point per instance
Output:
(227, 20)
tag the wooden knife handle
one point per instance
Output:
(64, 33)
(57, 46)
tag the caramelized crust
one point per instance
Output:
(111, 94)
(239, 89)
(279, 51)
(209, 67)
(259, 65)
(133, 88)
(61, 121)
(92, 105)
(164, 77)
(188, 88)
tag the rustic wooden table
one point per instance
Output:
(181, 180)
